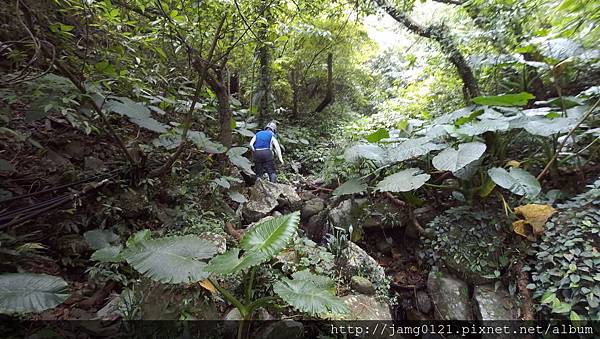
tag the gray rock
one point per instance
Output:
(288, 329)
(423, 302)
(265, 196)
(312, 207)
(493, 305)
(358, 259)
(348, 212)
(450, 297)
(363, 307)
(362, 285)
(233, 314)
(217, 239)
(316, 227)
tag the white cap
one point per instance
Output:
(272, 126)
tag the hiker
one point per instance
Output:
(262, 144)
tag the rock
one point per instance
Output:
(493, 305)
(93, 164)
(362, 285)
(423, 302)
(288, 329)
(312, 207)
(414, 315)
(316, 227)
(347, 213)
(363, 307)
(450, 297)
(358, 259)
(233, 314)
(217, 239)
(265, 196)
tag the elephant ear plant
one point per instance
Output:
(306, 292)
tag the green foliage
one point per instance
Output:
(565, 268)
(516, 180)
(310, 294)
(98, 239)
(403, 181)
(469, 242)
(28, 292)
(352, 186)
(260, 244)
(520, 99)
(453, 160)
(171, 259)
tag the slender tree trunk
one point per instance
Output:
(264, 92)
(295, 94)
(218, 84)
(329, 91)
(440, 34)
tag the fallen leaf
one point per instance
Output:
(534, 215)
(207, 285)
(513, 164)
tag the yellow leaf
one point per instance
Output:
(208, 285)
(534, 215)
(513, 164)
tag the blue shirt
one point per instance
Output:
(263, 140)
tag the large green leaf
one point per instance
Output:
(98, 239)
(352, 186)
(376, 136)
(310, 293)
(519, 99)
(171, 259)
(450, 118)
(403, 181)
(272, 236)
(231, 261)
(236, 158)
(136, 112)
(453, 160)
(260, 244)
(201, 140)
(412, 148)
(29, 292)
(108, 254)
(547, 127)
(366, 151)
(518, 181)
(481, 126)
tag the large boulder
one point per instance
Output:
(265, 196)
(450, 297)
(362, 307)
(312, 207)
(359, 259)
(491, 304)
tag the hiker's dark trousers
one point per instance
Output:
(264, 163)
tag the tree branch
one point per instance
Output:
(448, 46)
(188, 117)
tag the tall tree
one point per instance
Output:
(440, 34)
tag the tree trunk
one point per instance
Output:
(218, 85)
(264, 93)
(295, 94)
(329, 91)
(440, 34)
